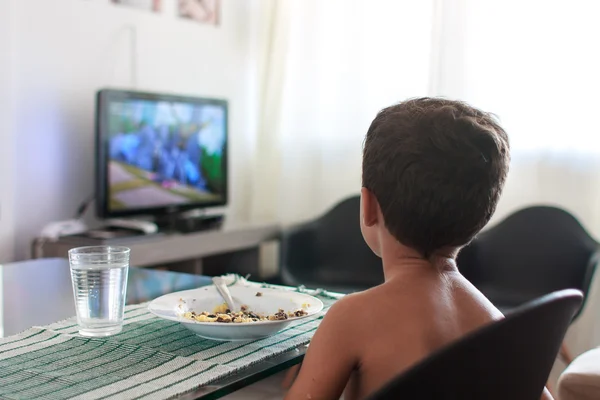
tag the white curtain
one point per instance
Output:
(326, 68)
(535, 64)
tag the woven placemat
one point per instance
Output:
(150, 359)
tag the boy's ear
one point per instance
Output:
(369, 207)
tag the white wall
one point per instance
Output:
(66, 49)
(7, 139)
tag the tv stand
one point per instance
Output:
(188, 224)
(236, 247)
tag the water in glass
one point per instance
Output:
(99, 285)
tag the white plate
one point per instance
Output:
(173, 305)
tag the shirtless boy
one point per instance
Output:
(433, 171)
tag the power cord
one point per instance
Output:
(83, 207)
(53, 230)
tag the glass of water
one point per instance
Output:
(99, 275)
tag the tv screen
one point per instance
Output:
(159, 153)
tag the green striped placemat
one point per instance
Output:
(150, 359)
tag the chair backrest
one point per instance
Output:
(508, 359)
(330, 251)
(533, 252)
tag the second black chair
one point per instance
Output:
(533, 252)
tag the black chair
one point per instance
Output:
(533, 252)
(508, 359)
(330, 252)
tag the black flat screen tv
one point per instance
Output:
(159, 154)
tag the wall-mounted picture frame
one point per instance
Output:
(201, 11)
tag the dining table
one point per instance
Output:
(39, 292)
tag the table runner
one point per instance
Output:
(150, 359)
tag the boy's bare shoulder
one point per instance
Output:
(347, 312)
(343, 308)
(354, 304)
(357, 309)
(376, 299)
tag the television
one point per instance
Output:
(159, 154)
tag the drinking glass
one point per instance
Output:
(99, 276)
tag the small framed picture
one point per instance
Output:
(148, 5)
(201, 11)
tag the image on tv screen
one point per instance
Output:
(165, 153)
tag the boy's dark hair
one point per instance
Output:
(437, 168)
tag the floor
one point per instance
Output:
(267, 389)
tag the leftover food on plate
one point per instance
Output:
(222, 314)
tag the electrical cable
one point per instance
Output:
(83, 207)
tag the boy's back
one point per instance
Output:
(408, 318)
(370, 337)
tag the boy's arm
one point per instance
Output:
(330, 358)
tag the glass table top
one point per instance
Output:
(38, 292)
